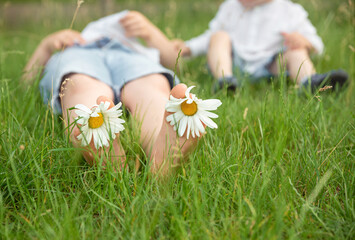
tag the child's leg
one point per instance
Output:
(146, 98)
(301, 69)
(297, 62)
(169, 149)
(219, 55)
(220, 61)
(82, 89)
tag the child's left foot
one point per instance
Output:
(113, 155)
(332, 78)
(169, 149)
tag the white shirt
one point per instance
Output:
(256, 33)
(110, 27)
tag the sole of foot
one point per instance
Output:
(113, 155)
(170, 149)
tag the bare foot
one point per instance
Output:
(113, 154)
(170, 149)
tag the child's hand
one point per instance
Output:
(61, 39)
(180, 45)
(296, 41)
(51, 43)
(137, 25)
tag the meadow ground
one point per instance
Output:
(280, 165)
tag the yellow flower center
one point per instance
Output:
(189, 109)
(95, 122)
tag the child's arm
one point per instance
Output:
(179, 45)
(56, 41)
(137, 25)
(300, 32)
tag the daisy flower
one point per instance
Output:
(99, 123)
(191, 114)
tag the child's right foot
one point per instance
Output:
(169, 149)
(332, 78)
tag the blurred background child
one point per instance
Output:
(250, 35)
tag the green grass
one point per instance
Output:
(283, 168)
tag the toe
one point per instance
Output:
(179, 91)
(105, 99)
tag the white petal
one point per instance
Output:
(118, 105)
(111, 129)
(198, 125)
(173, 109)
(182, 126)
(187, 93)
(208, 114)
(116, 125)
(189, 125)
(210, 104)
(102, 106)
(193, 134)
(80, 121)
(170, 119)
(83, 108)
(174, 106)
(208, 121)
(105, 132)
(197, 133)
(102, 136)
(179, 115)
(85, 136)
(110, 115)
(81, 113)
(96, 139)
(175, 118)
(106, 105)
(94, 114)
(88, 136)
(114, 109)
